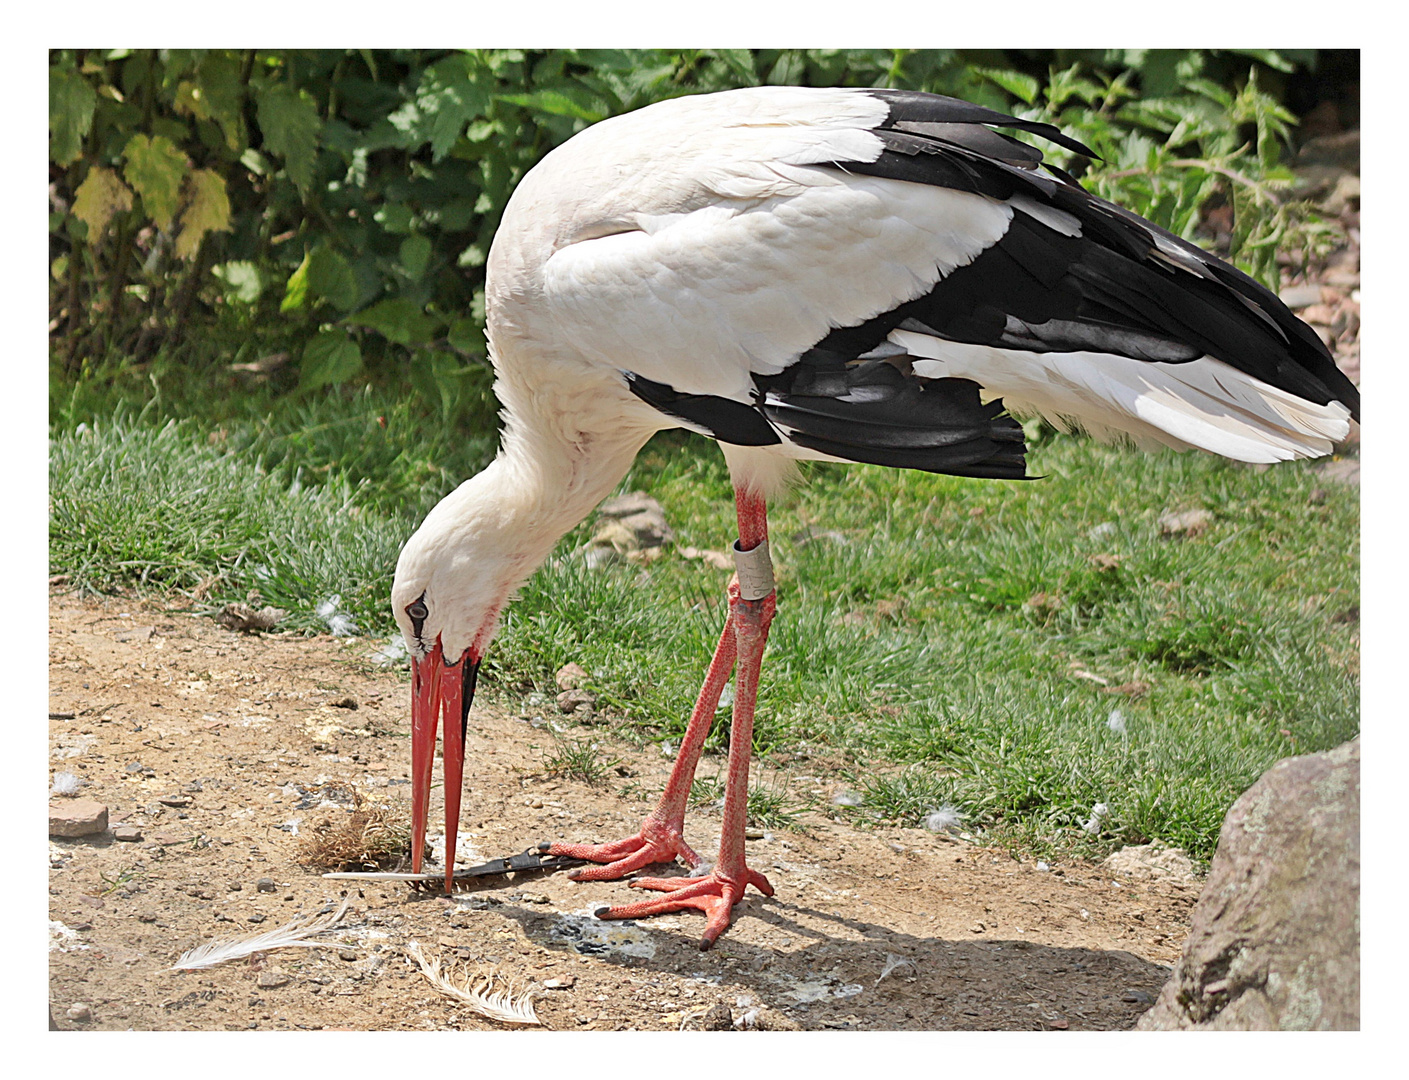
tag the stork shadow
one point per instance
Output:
(835, 980)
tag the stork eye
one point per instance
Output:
(417, 610)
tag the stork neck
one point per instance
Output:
(558, 475)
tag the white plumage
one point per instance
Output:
(854, 275)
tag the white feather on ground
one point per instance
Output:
(477, 992)
(292, 933)
(895, 963)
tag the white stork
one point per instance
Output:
(826, 274)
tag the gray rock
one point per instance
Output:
(572, 700)
(1275, 937)
(1150, 862)
(570, 676)
(719, 1018)
(1300, 296)
(1189, 523)
(245, 618)
(641, 515)
(77, 817)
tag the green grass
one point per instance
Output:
(932, 650)
(579, 759)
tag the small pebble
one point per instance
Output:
(265, 884)
(79, 1013)
(272, 980)
(128, 834)
(258, 917)
(347, 954)
(719, 1018)
(570, 676)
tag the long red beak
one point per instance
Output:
(436, 686)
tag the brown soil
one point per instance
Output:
(238, 724)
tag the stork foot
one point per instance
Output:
(653, 844)
(715, 894)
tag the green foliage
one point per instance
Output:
(1174, 157)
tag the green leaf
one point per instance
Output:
(1023, 87)
(556, 103)
(207, 210)
(216, 94)
(288, 120)
(157, 169)
(415, 254)
(330, 278)
(218, 76)
(447, 99)
(393, 217)
(242, 279)
(99, 197)
(399, 320)
(1273, 58)
(71, 104)
(330, 358)
(466, 335)
(296, 289)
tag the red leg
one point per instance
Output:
(662, 837)
(717, 892)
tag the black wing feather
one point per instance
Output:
(1110, 289)
(1120, 285)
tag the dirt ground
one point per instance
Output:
(213, 746)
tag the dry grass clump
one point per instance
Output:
(371, 836)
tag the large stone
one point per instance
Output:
(77, 817)
(1275, 937)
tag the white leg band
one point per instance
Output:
(755, 571)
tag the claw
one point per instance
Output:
(653, 844)
(713, 894)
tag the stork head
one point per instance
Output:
(452, 580)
